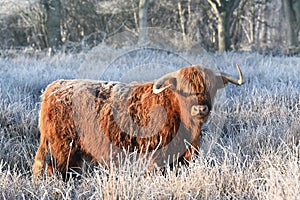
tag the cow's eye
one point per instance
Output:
(199, 110)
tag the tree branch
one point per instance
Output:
(214, 6)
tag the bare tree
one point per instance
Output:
(53, 19)
(223, 9)
(143, 18)
(292, 23)
(135, 15)
(182, 20)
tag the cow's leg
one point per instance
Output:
(40, 157)
(193, 149)
(66, 160)
(75, 165)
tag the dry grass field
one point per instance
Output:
(250, 148)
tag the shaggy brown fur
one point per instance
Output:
(96, 119)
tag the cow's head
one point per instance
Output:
(195, 87)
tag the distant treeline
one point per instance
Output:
(214, 25)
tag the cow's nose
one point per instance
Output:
(203, 109)
(199, 110)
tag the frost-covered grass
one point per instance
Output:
(249, 150)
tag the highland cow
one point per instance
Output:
(96, 120)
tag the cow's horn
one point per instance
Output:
(231, 79)
(158, 83)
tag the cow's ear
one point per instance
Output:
(172, 82)
(164, 82)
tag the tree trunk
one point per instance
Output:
(134, 14)
(223, 9)
(291, 24)
(53, 10)
(297, 12)
(223, 32)
(182, 23)
(143, 17)
(263, 27)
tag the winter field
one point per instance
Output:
(250, 147)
